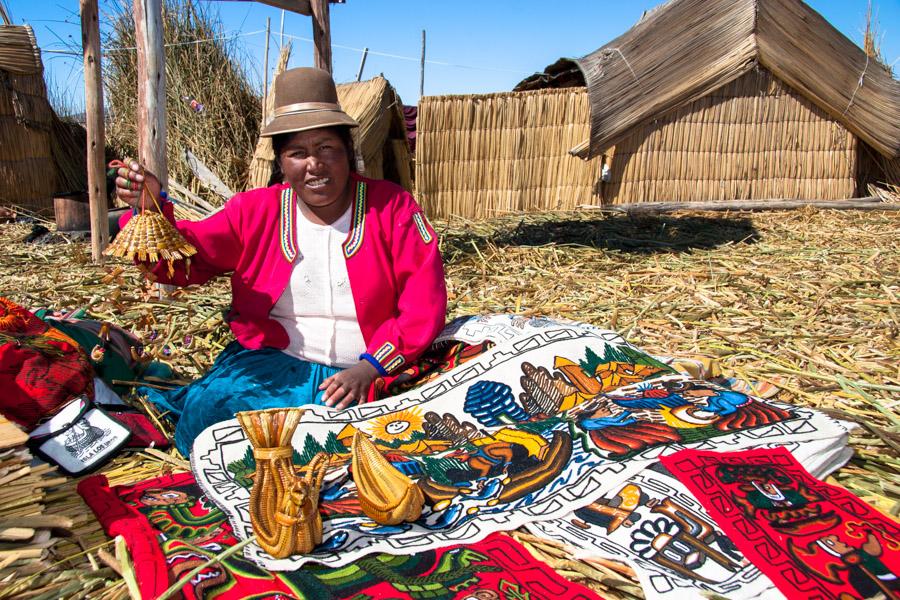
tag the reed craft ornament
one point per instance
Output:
(284, 506)
(150, 236)
(386, 495)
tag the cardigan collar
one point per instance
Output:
(288, 223)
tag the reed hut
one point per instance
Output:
(27, 174)
(381, 136)
(381, 146)
(483, 155)
(707, 100)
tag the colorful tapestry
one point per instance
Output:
(655, 525)
(171, 528)
(552, 416)
(812, 539)
(41, 368)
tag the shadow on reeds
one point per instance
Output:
(645, 234)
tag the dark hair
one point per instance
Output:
(280, 141)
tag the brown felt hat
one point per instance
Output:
(305, 98)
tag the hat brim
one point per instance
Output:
(307, 121)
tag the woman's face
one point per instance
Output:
(315, 165)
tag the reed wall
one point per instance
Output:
(753, 138)
(483, 155)
(27, 175)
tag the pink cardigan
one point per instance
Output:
(393, 263)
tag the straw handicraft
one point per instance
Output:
(386, 495)
(150, 236)
(284, 507)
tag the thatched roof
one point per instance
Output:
(685, 49)
(381, 136)
(27, 174)
(19, 52)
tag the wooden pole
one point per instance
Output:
(266, 71)
(151, 87)
(281, 32)
(422, 68)
(362, 64)
(321, 34)
(96, 138)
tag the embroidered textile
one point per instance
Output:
(41, 368)
(171, 528)
(655, 524)
(549, 418)
(812, 539)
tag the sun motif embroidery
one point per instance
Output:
(396, 427)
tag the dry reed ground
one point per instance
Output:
(807, 300)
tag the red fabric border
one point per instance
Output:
(117, 518)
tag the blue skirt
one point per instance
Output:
(239, 380)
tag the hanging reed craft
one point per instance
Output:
(149, 236)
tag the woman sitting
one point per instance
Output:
(336, 278)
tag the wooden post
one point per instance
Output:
(281, 32)
(422, 68)
(151, 87)
(321, 34)
(362, 64)
(266, 74)
(96, 142)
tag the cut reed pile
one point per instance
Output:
(806, 300)
(201, 63)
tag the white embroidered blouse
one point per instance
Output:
(317, 309)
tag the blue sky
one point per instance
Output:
(471, 46)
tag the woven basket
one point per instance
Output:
(150, 237)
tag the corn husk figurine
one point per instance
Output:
(386, 495)
(284, 506)
(150, 236)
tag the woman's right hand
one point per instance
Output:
(130, 179)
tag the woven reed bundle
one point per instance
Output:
(27, 174)
(377, 108)
(481, 155)
(753, 138)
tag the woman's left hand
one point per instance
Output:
(350, 386)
